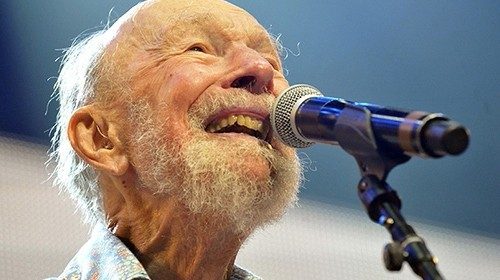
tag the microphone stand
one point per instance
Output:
(380, 200)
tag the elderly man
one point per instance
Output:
(163, 141)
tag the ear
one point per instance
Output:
(96, 141)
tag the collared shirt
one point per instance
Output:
(105, 257)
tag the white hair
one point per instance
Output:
(75, 88)
(86, 76)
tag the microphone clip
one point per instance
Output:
(382, 203)
(354, 134)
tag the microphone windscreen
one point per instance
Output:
(283, 114)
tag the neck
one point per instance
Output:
(172, 243)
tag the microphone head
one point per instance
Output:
(283, 114)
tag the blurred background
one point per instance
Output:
(436, 56)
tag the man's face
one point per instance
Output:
(204, 76)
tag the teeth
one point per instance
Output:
(249, 121)
(223, 123)
(242, 120)
(232, 119)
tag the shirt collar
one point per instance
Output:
(105, 256)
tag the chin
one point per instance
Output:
(243, 184)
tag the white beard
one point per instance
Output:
(235, 180)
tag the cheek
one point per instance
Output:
(181, 88)
(184, 83)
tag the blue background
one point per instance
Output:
(437, 56)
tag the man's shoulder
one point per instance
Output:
(104, 256)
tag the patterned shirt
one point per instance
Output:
(105, 257)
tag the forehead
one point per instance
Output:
(171, 19)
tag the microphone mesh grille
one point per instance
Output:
(283, 110)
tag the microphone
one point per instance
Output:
(301, 116)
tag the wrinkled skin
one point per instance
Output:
(184, 200)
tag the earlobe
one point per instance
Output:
(96, 141)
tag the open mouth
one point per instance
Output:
(246, 123)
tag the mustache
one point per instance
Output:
(209, 104)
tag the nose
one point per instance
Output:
(251, 71)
